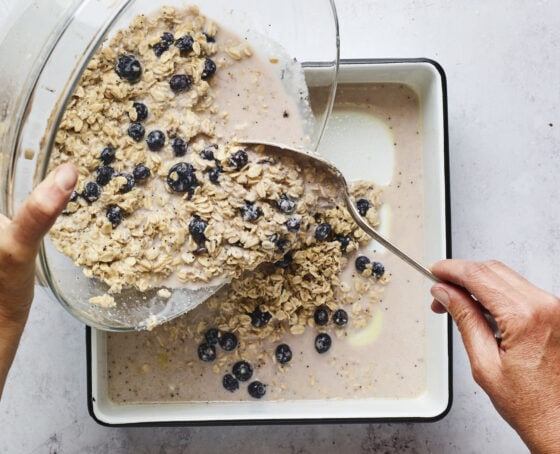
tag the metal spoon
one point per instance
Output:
(306, 159)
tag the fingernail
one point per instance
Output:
(65, 177)
(441, 296)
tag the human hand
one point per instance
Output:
(522, 374)
(20, 239)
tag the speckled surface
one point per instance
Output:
(501, 60)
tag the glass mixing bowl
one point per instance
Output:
(43, 55)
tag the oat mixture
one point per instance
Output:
(163, 198)
(166, 198)
(255, 321)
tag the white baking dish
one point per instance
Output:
(356, 153)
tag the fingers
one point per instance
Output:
(40, 210)
(495, 268)
(492, 283)
(477, 335)
(532, 293)
(460, 272)
(438, 308)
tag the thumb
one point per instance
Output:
(476, 334)
(41, 208)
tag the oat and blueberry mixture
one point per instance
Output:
(166, 198)
(257, 314)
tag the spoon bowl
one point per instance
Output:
(306, 158)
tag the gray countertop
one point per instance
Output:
(502, 63)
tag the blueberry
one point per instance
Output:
(323, 231)
(180, 82)
(242, 370)
(92, 191)
(285, 204)
(283, 353)
(282, 244)
(166, 41)
(73, 197)
(377, 269)
(209, 38)
(340, 317)
(344, 241)
(167, 38)
(293, 224)
(209, 69)
(363, 206)
(285, 262)
(239, 159)
(179, 147)
(181, 178)
(155, 140)
(159, 48)
(256, 389)
(250, 212)
(228, 341)
(361, 263)
(141, 111)
(114, 215)
(130, 182)
(212, 336)
(136, 131)
(197, 227)
(214, 174)
(185, 43)
(206, 352)
(129, 68)
(183, 168)
(230, 383)
(141, 172)
(321, 316)
(107, 155)
(208, 152)
(260, 318)
(323, 343)
(104, 175)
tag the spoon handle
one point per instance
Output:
(425, 271)
(386, 243)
